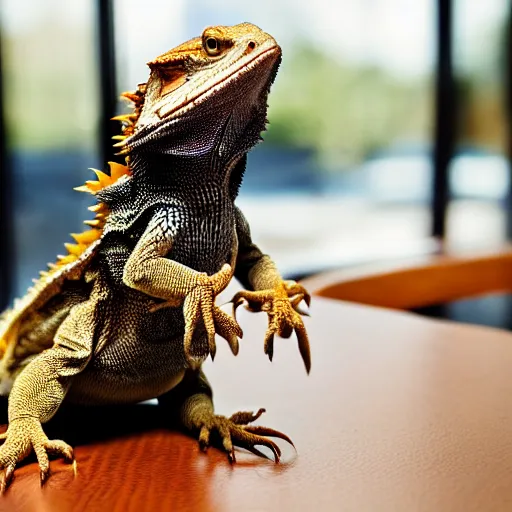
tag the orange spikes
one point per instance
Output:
(87, 237)
(84, 188)
(125, 118)
(99, 209)
(93, 186)
(131, 96)
(118, 170)
(93, 223)
(64, 260)
(103, 179)
(75, 249)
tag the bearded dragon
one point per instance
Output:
(129, 314)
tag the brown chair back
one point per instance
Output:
(439, 280)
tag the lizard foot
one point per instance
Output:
(284, 314)
(200, 302)
(236, 431)
(23, 436)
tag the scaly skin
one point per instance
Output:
(130, 313)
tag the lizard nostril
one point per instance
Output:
(251, 46)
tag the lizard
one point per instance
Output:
(129, 313)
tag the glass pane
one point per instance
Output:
(480, 174)
(51, 118)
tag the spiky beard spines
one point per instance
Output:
(128, 121)
(117, 171)
(87, 237)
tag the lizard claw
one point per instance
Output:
(295, 302)
(44, 474)
(24, 435)
(268, 344)
(235, 431)
(200, 302)
(284, 314)
(294, 288)
(7, 478)
(245, 417)
(228, 328)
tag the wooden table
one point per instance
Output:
(400, 413)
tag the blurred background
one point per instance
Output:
(389, 123)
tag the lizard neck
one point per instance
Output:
(203, 146)
(193, 179)
(170, 171)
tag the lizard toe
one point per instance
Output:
(234, 431)
(24, 435)
(245, 417)
(59, 448)
(6, 477)
(281, 303)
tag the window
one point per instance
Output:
(51, 116)
(345, 174)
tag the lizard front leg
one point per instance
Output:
(191, 401)
(39, 390)
(266, 291)
(149, 271)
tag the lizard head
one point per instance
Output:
(208, 94)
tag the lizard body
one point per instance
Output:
(129, 313)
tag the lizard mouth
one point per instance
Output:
(167, 110)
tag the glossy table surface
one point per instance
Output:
(399, 413)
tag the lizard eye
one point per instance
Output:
(212, 46)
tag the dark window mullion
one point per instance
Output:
(6, 203)
(445, 116)
(107, 78)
